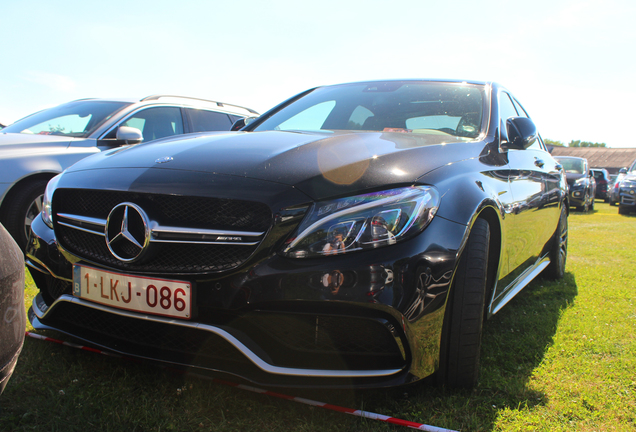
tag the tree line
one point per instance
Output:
(574, 143)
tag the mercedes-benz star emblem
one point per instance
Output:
(127, 232)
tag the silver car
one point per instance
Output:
(38, 147)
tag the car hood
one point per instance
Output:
(629, 177)
(319, 164)
(573, 177)
(28, 143)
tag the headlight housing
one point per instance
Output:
(47, 216)
(580, 182)
(363, 222)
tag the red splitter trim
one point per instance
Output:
(357, 413)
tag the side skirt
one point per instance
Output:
(520, 283)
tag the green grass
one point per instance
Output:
(560, 357)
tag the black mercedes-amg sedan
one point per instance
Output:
(356, 235)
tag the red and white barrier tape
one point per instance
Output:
(357, 413)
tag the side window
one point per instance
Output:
(523, 113)
(155, 123)
(204, 120)
(520, 109)
(506, 108)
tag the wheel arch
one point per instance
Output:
(17, 186)
(494, 252)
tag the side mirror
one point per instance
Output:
(242, 122)
(129, 134)
(522, 133)
(623, 171)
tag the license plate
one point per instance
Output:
(169, 298)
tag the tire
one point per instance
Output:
(559, 251)
(20, 208)
(461, 344)
(622, 210)
(585, 207)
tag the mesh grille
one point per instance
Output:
(325, 333)
(167, 210)
(167, 258)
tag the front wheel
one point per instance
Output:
(559, 250)
(461, 344)
(20, 208)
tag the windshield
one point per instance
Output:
(74, 119)
(575, 166)
(394, 106)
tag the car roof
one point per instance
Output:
(179, 100)
(429, 80)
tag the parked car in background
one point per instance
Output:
(603, 183)
(356, 235)
(38, 147)
(615, 189)
(582, 186)
(12, 312)
(627, 191)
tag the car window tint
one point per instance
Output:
(439, 122)
(204, 120)
(358, 117)
(67, 125)
(522, 112)
(158, 122)
(310, 119)
(506, 108)
(392, 105)
(76, 119)
(576, 166)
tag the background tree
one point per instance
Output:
(579, 143)
(553, 143)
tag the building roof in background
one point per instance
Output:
(612, 159)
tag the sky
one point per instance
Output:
(567, 61)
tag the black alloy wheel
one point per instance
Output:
(559, 250)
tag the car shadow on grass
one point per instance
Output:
(515, 342)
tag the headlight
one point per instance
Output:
(363, 222)
(580, 182)
(47, 217)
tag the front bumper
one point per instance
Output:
(627, 197)
(278, 322)
(578, 196)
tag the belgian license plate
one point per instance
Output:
(169, 298)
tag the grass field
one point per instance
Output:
(560, 357)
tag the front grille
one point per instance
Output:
(167, 258)
(166, 210)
